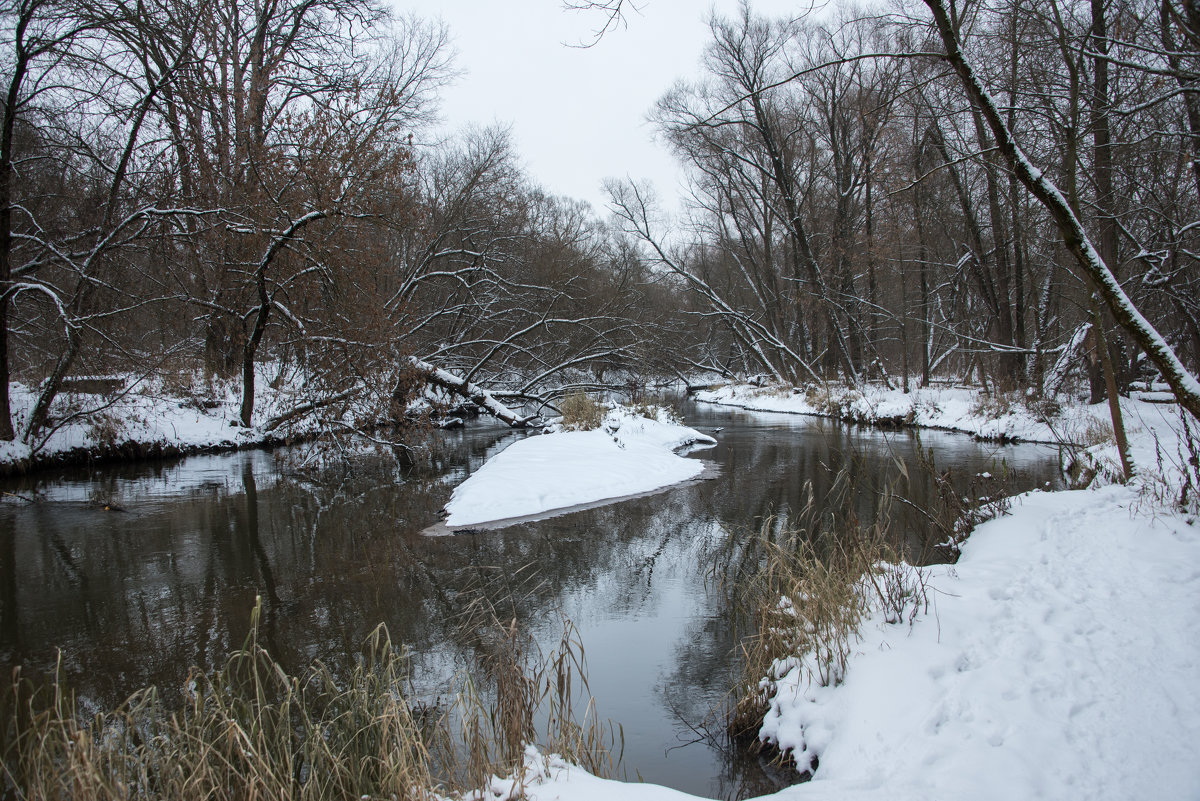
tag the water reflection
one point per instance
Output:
(166, 576)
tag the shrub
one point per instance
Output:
(253, 731)
(581, 412)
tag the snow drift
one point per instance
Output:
(629, 454)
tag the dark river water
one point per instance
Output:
(166, 576)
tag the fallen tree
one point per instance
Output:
(472, 392)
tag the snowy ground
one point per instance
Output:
(187, 413)
(628, 455)
(1058, 660)
(946, 407)
(147, 415)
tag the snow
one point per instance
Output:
(1057, 659)
(628, 455)
(550, 778)
(950, 408)
(147, 414)
(185, 413)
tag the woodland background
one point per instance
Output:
(193, 190)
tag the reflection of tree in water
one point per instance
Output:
(765, 475)
(136, 597)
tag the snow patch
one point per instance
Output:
(950, 408)
(628, 455)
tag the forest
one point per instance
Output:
(1001, 192)
(827, 464)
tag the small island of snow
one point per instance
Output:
(628, 454)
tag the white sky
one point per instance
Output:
(577, 116)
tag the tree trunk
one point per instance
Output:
(1110, 385)
(263, 311)
(1184, 385)
(7, 129)
(1102, 172)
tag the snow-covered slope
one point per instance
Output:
(627, 455)
(1059, 660)
(952, 408)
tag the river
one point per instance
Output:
(137, 572)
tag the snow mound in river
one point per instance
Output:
(629, 454)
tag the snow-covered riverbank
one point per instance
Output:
(950, 408)
(628, 455)
(149, 418)
(1057, 659)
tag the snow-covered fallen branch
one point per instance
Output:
(472, 392)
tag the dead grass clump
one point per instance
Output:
(1189, 457)
(832, 401)
(253, 731)
(993, 407)
(1175, 479)
(1095, 431)
(524, 696)
(804, 604)
(581, 412)
(249, 731)
(772, 390)
(802, 587)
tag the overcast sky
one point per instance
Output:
(578, 115)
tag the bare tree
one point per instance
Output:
(1076, 238)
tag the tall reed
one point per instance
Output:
(250, 731)
(801, 586)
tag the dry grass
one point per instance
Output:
(251, 731)
(1095, 431)
(654, 406)
(803, 586)
(994, 406)
(522, 687)
(581, 412)
(1174, 479)
(1189, 459)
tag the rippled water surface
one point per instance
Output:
(164, 577)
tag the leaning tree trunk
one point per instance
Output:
(1184, 385)
(472, 392)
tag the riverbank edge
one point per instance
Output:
(1005, 423)
(890, 424)
(210, 428)
(136, 452)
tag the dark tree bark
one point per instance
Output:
(1075, 237)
